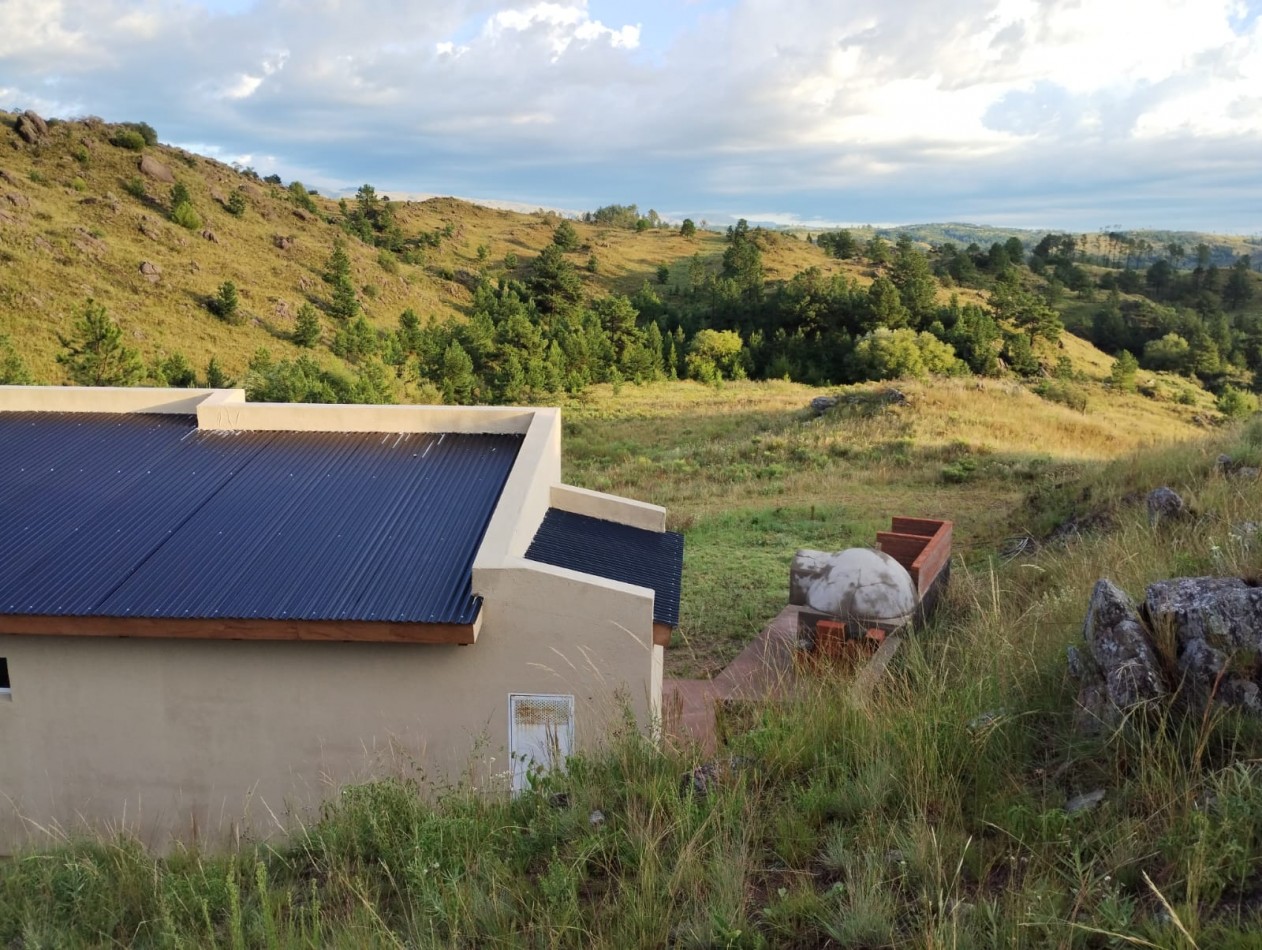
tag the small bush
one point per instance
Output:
(510, 261)
(226, 304)
(80, 154)
(387, 261)
(38, 177)
(135, 186)
(186, 216)
(78, 184)
(129, 139)
(1235, 403)
(1067, 394)
(144, 130)
(236, 203)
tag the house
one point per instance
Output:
(214, 613)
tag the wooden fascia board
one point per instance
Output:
(184, 628)
(662, 633)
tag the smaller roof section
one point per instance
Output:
(617, 552)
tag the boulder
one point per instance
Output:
(283, 241)
(209, 235)
(1121, 652)
(821, 404)
(1164, 504)
(150, 271)
(30, 127)
(17, 199)
(154, 169)
(1215, 624)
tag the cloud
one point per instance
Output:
(860, 111)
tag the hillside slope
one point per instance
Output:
(79, 218)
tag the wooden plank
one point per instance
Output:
(866, 679)
(925, 527)
(662, 633)
(183, 628)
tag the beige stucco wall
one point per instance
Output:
(174, 738)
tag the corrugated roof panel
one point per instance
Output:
(615, 551)
(134, 516)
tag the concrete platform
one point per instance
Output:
(764, 669)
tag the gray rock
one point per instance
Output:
(596, 818)
(1119, 669)
(699, 781)
(1247, 473)
(150, 271)
(821, 404)
(209, 235)
(1215, 624)
(154, 169)
(1120, 646)
(1164, 504)
(1085, 801)
(17, 199)
(30, 127)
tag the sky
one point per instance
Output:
(1068, 114)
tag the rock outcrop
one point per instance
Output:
(154, 169)
(30, 127)
(1216, 626)
(1164, 504)
(1198, 639)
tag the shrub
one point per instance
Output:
(236, 203)
(78, 184)
(186, 216)
(1065, 393)
(1235, 403)
(226, 304)
(387, 261)
(565, 236)
(307, 327)
(144, 130)
(13, 371)
(301, 197)
(510, 261)
(129, 139)
(80, 154)
(135, 186)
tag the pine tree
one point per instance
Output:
(307, 326)
(227, 304)
(216, 378)
(95, 354)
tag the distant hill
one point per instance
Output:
(79, 219)
(1224, 249)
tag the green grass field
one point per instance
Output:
(930, 815)
(749, 474)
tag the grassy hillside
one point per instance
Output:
(749, 474)
(72, 230)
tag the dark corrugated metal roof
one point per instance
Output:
(148, 516)
(616, 551)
